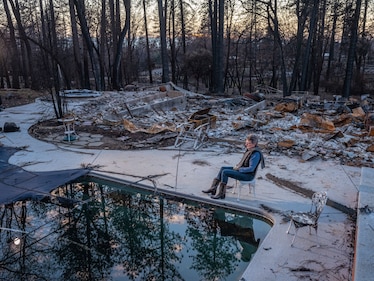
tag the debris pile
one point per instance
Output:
(329, 130)
(301, 126)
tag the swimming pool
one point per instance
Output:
(99, 229)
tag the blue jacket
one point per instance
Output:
(251, 163)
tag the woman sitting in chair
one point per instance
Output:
(245, 170)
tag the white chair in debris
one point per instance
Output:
(310, 219)
(69, 122)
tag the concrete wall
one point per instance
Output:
(363, 267)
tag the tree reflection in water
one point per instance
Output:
(95, 231)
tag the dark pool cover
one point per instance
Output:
(17, 184)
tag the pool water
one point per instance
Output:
(98, 230)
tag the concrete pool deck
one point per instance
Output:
(188, 172)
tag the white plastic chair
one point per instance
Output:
(241, 184)
(70, 134)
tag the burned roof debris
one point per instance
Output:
(299, 125)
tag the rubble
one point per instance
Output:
(298, 126)
(155, 102)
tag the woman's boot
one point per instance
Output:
(221, 192)
(213, 188)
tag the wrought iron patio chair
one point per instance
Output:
(310, 219)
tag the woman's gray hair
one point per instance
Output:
(253, 139)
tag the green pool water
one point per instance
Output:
(99, 230)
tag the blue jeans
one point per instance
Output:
(228, 172)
